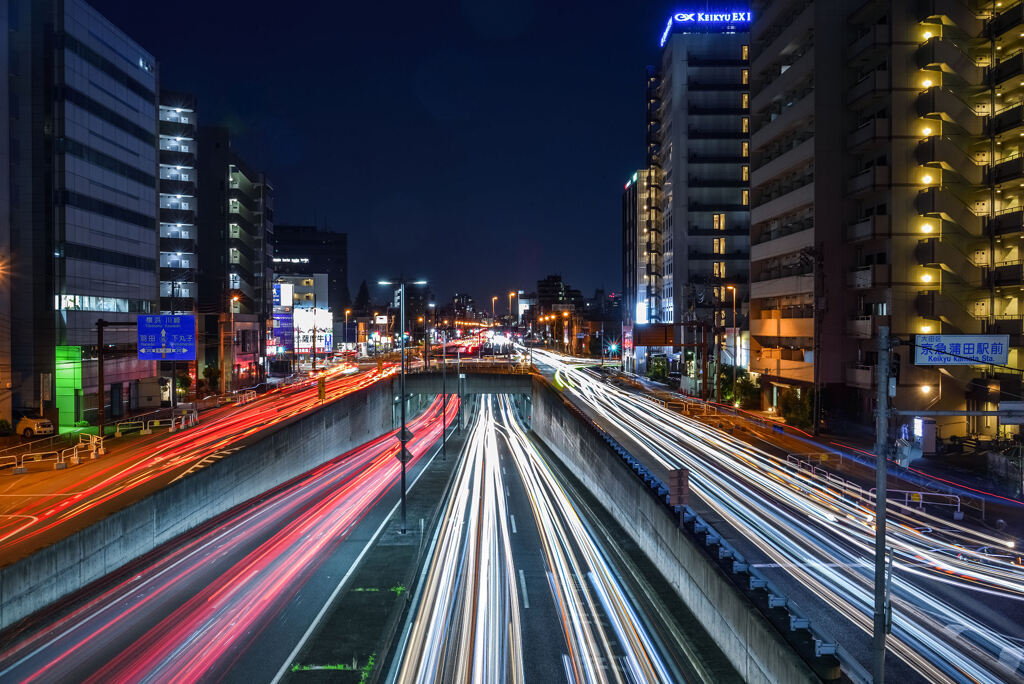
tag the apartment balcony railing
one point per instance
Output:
(866, 277)
(869, 228)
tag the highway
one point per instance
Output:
(230, 599)
(957, 591)
(41, 506)
(519, 586)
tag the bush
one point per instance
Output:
(82, 423)
(657, 368)
(798, 408)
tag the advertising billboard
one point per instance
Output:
(284, 332)
(284, 294)
(167, 337)
(961, 350)
(303, 320)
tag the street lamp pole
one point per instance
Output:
(404, 434)
(493, 299)
(444, 396)
(345, 337)
(735, 342)
(512, 319)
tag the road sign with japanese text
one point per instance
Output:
(167, 337)
(961, 350)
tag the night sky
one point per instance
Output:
(479, 144)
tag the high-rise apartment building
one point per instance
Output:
(81, 239)
(179, 176)
(236, 231)
(642, 266)
(702, 148)
(887, 187)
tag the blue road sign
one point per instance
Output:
(167, 338)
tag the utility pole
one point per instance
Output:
(881, 608)
(101, 388)
(444, 395)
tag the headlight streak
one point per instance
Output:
(793, 519)
(206, 633)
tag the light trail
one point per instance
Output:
(125, 471)
(190, 614)
(468, 625)
(803, 522)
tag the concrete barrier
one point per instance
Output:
(281, 453)
(749, 640)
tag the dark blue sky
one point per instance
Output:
(479, 144)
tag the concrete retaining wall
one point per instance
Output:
(282, 453)
(748, 639)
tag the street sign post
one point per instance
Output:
(167, 337)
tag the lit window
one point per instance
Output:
(745, 147)
(745, 100)
(719, 246)
(745, 52)
(718, 221)
(746, 173)
(719, 269)
(746, 76)
(746, 197)
(746, 125)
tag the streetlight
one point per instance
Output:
(223, 375)
(565, 330)
(345, 338)
(735, 341)
(404, 434)
(511, 294)
(493, 299)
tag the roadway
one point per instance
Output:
(230, 599)
(519, 585)
(958, 592)
(39, 507)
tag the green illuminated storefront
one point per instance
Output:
(68, 381)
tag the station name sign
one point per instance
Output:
(706, 18)
(961, 350)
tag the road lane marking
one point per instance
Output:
(522, 584)
(512, 519)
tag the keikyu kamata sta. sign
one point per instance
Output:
(961, 350)
(167, 337)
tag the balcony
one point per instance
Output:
(1003, 275)
(789, 119)
(866, 277)
(783, 286)
(784, 204)
(795, 369)
(860, 377)
(796, 32)
(176, 129)
(1006, 21)
(177, 187)
(785, 244)
(698, 134)
(1007, 170)
(784, 83)
(177, 158)
(938, 306)
(865, 327)
(865, 46)
(1010, 67)
(1006, 222)
(1012, 326)
(177, 215)
(867, 180)
(956, 12)
(782, 327)
(798, 156)
(873, 84)
(936, 252)
(1007, 119)
(870, 228)
(944, 103)
(873, 130)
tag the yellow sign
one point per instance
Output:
(321, 388)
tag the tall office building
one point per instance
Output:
(81, 198)
(642, 266)
(236, 231)
(891, 188)
(702, 148)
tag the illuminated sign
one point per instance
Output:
(961, 350)
(167, 338)
(705, 19)
(304, 320)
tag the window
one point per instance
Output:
(719, 269)
(745, 52)
(746, 76)
(745, 100)
(718, 246)
(746, 197)
(718, 221)
(745, 149)
(746, 173)
(746, 124)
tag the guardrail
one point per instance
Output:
(123, 426)
(20, 467)
(244, 397)
(918, 498)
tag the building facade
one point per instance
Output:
(324, 251)
(642, 266)
(82, 201)
(698, 125)
(179, 176)
(236, 231)
(887, 195)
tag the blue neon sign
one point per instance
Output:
(704, 19)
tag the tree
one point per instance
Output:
(797, 407)
(212, 375)
(657, 368)
(362, 303)
(748, 392)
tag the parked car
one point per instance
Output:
(33, 426)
